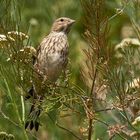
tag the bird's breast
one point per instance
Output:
(53, 56)
(55, 63)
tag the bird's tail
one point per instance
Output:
(33, 117)
(31, 93)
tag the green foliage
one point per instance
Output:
(97, 97)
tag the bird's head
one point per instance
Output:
(62, 24)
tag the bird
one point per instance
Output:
(51, 59)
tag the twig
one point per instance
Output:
(106, 109)
(90, 129)
(103, 122)
(7, 118)
(68, 131)
(14, 123)
(64, 128)
(119, 12)
(121, 136)
(93, 82)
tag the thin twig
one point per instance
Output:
(106, 109)
(14, 123)
(64, 128)
(118, 13)
(7, 118)
(90, 129)
(68, 131)
(93, 82)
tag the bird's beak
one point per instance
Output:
(72, 21)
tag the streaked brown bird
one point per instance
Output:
(52, 58)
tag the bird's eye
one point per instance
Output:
(61, 19)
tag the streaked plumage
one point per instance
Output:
(52, 57)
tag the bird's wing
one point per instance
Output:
(39, 48)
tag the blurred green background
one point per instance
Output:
(35, 17)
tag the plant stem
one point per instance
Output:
(23, 108)
(90, 129)
(16, 109)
